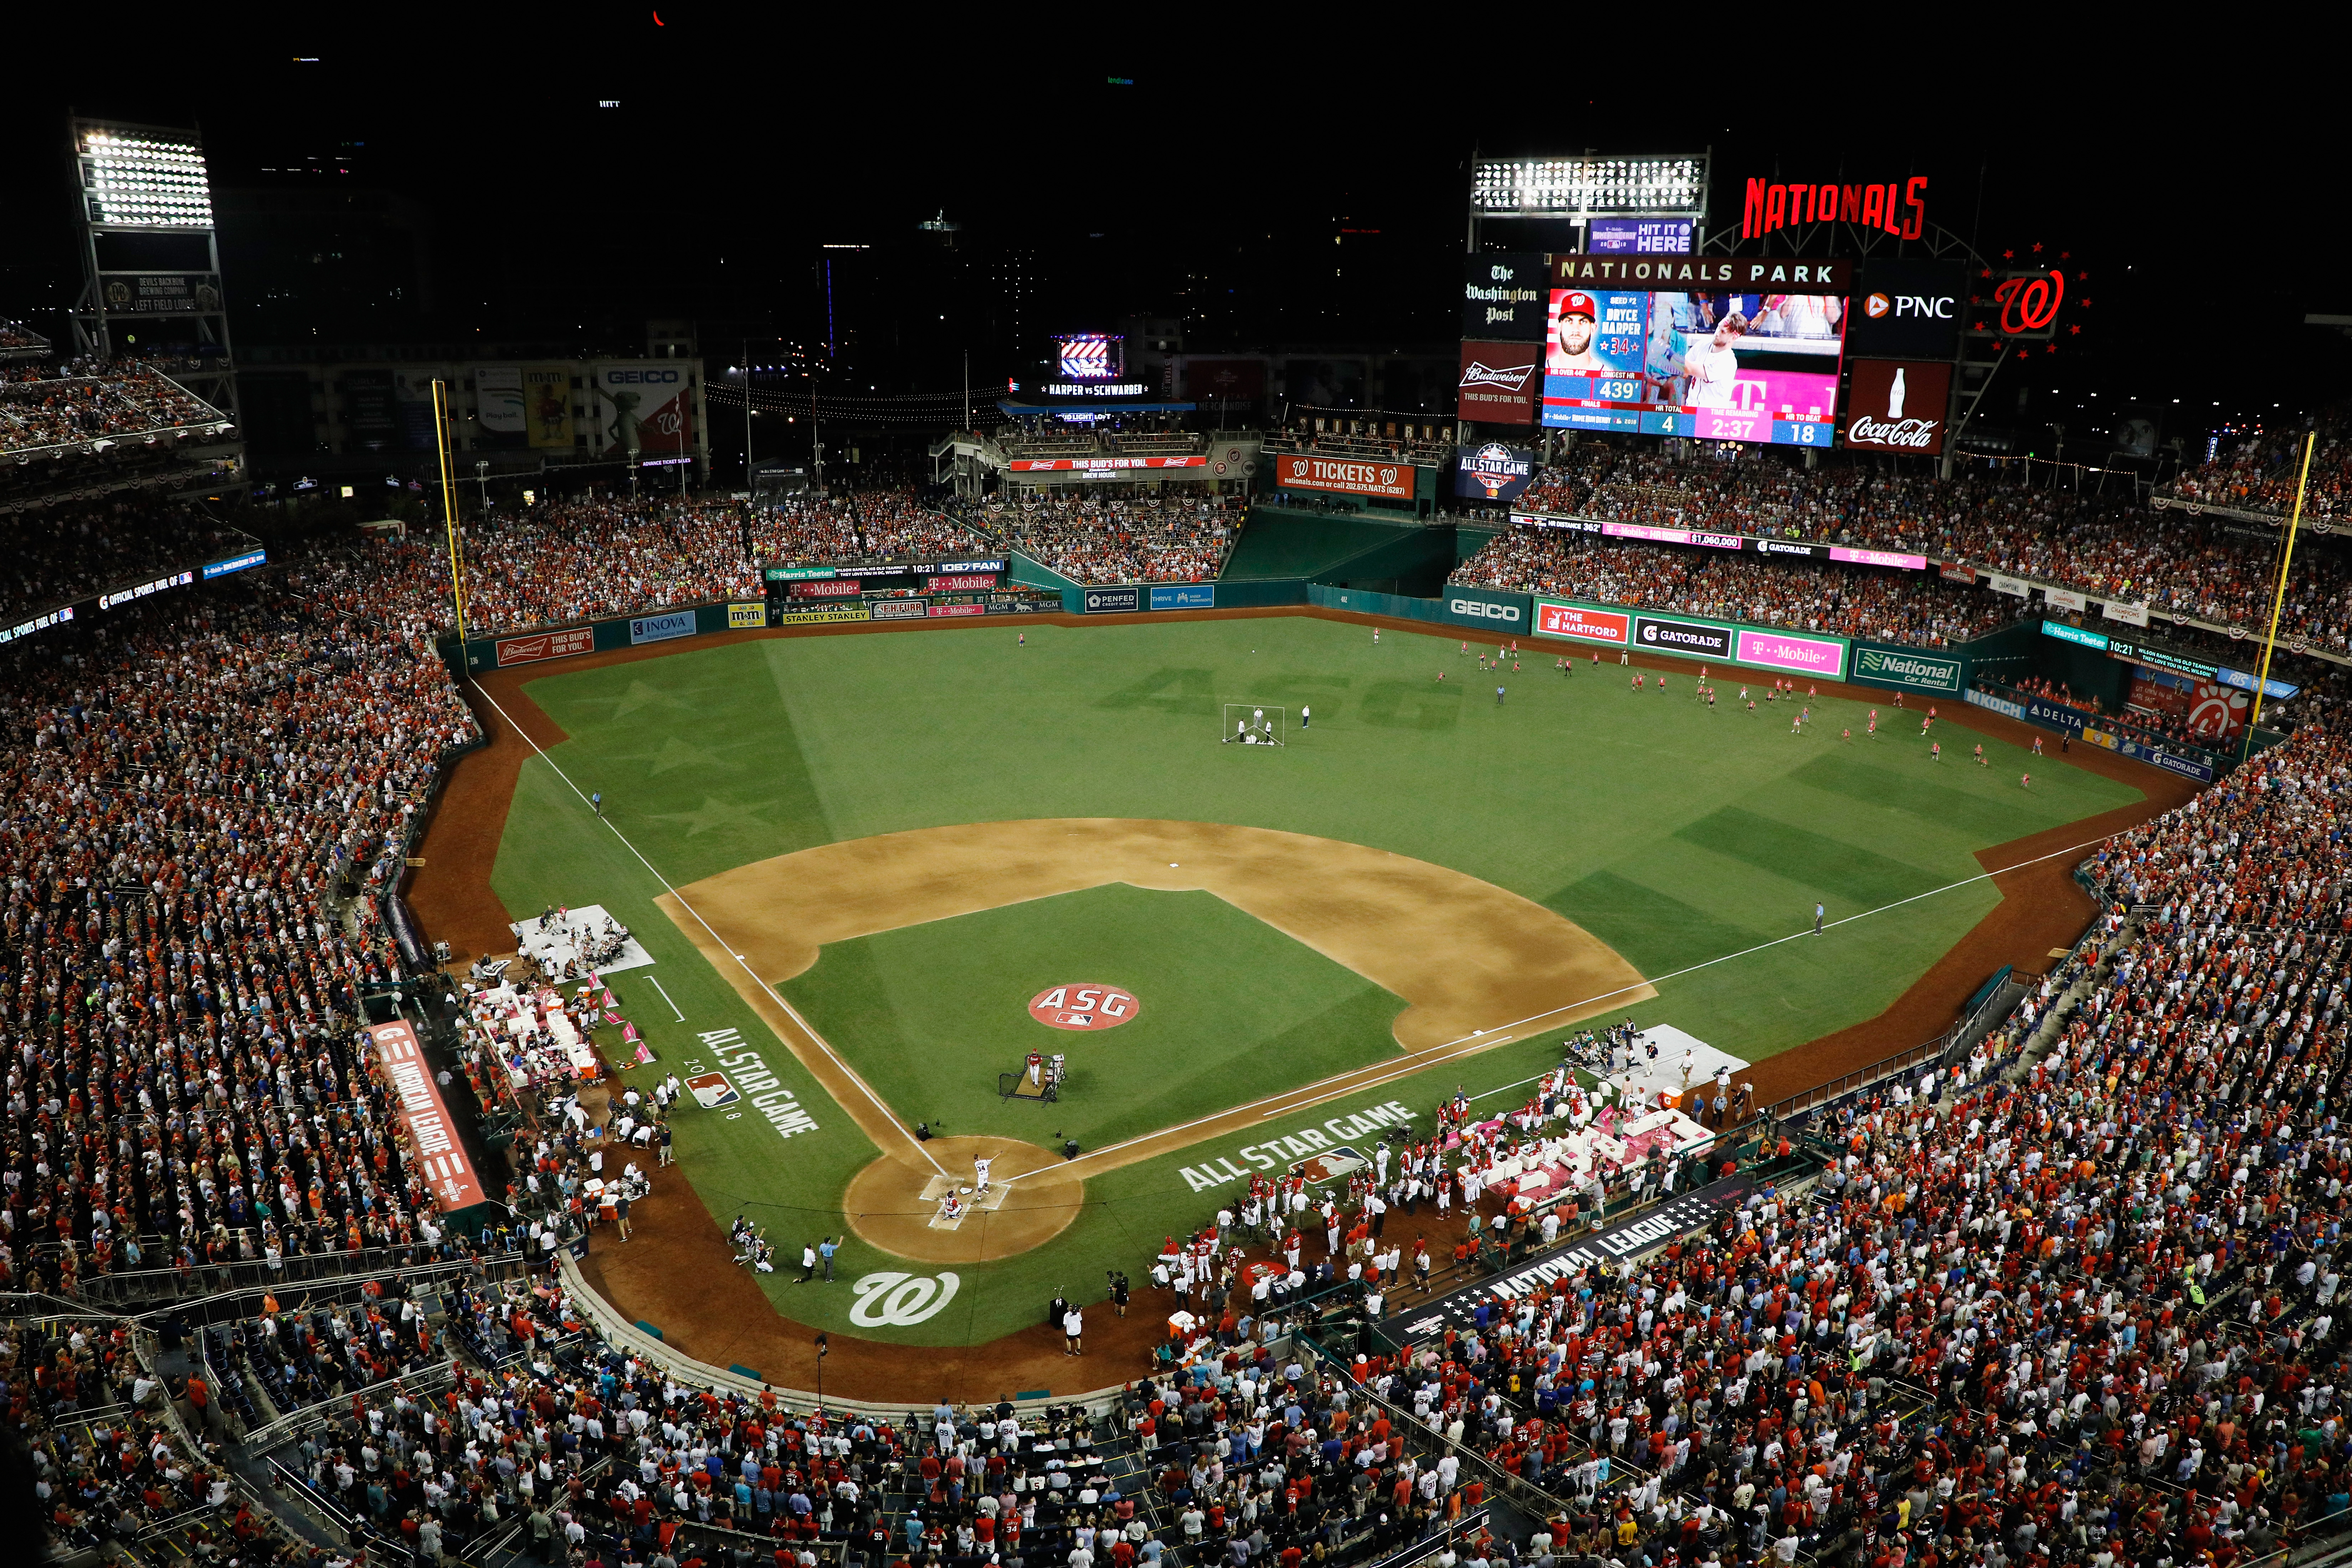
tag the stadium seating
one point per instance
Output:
(1991, 520)
(1170, 539)
(2071, 1302)
(1802, 594)
(88, 402)
(82, 550)
(2260, 473)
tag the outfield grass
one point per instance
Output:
(1675, 833)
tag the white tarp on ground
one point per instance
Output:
(1648, 1077)
(578, 934)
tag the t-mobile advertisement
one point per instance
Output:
(1821, 657)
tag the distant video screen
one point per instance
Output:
(1713, 366)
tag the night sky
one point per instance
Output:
(1281, 186)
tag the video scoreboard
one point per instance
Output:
(1717, 365)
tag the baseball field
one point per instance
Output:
(877, 871)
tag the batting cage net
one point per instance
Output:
(1253, 724)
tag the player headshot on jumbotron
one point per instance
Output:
(1711, 367)
(1572, 335)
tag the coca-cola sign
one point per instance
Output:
(1898, 405)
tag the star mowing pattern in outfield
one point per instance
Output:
(712, 814)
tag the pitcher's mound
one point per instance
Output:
(896, 1205)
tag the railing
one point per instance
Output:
(269, 1434)
(1949, 1043)
(126, 1287)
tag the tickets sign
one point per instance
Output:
(1346, 476)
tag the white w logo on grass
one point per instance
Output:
(900, 1301)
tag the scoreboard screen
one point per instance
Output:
(1714, 366)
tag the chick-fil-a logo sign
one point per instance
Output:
(2030, 304)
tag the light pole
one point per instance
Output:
(482, 482)
(746, 415)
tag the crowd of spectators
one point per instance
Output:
(1371, 439)
(82, 550)
(1766, 590)
(1111, 539)
(17, 335)
(119, 401)
(1986, 517)
(2260, 473)
(868, 525)
(194, 794)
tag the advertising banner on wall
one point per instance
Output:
(1639, 237)
(1822, 657)
(742, 615)
(642, 406)
(1907, 308)
(1493, 472)
(1487, 607)
(547, 398)
(1907, 669)
(412, 403)
(161, 293)
(500, 415)
(1670, 634)
(1184, 596)
(1898, 405)
(435, 1149)
(546, 645)
(1556, 618)
(1345, 476)
(1503, 296)
(1110, 601)
(368, 415)
(1500, 383)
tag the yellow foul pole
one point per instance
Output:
(449, 502)
(2278, 599)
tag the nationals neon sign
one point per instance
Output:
(2030, 304)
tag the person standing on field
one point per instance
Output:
(1073, 1329)
(1306, 716)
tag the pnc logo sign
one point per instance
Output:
(1483, 610)
(1909, 307)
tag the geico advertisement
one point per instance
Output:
(642, 406)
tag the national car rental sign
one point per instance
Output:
(1346, 476)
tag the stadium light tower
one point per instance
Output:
(150, 257)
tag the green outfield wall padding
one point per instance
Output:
(1281, 542)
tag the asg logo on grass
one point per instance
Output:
(895, 1301)
(1083, 1007)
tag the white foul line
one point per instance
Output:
(790, 1011)
(673, 1006)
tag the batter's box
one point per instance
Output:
(938, 1187)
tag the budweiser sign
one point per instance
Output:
(1516, 377)
(1899, 406)
(1500, 381)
